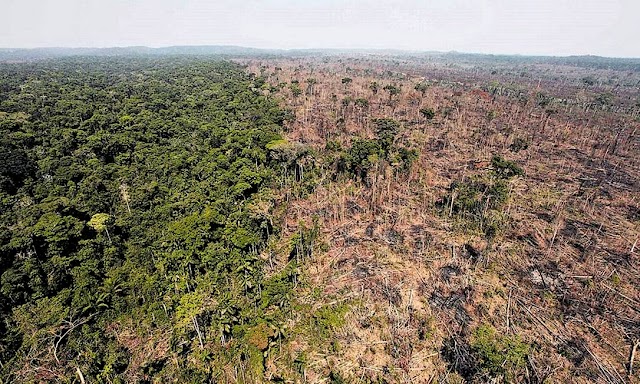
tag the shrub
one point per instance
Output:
(505, 169)
(499, 356)
(328, 319)
(481, 198)
(362, 103)
(333, 146)
(405, 157)
(428, 113)
(476, 196)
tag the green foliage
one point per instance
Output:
(386, 130)
(333, 146)
(427, 113)
(15, 165)
(295, 89)
(279, 144)
(505, 169)
(336, 378)
(478, 194)
(276, 291)
(362, 103)
(374, 87)
(303, 242)
(362, 156)
(405, 157)
(543, 100)
(392, 90)
(135, 198)
(499, 355)
(296, 163)
(367, 154)
(99, 221)
(328, 319)
(604, 99)
(479, 200)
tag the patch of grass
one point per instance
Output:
(328, 319)
(499, 356)
(615, 279)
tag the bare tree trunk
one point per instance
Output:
(197, 328)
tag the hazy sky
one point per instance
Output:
(557, 27)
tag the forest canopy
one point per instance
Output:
(127, 188)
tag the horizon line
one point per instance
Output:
(342, 49)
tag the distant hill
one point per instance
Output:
(587, 61)
(583, 61)
(21, 54)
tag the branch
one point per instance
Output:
(73, 326)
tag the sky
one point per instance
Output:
(538, 27)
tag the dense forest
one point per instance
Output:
(136, 199)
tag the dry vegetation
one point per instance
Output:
(544, 287)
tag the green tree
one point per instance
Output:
(392, 90)
(99, 222)
(386, 130)
(427, 113)
(374, 87)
